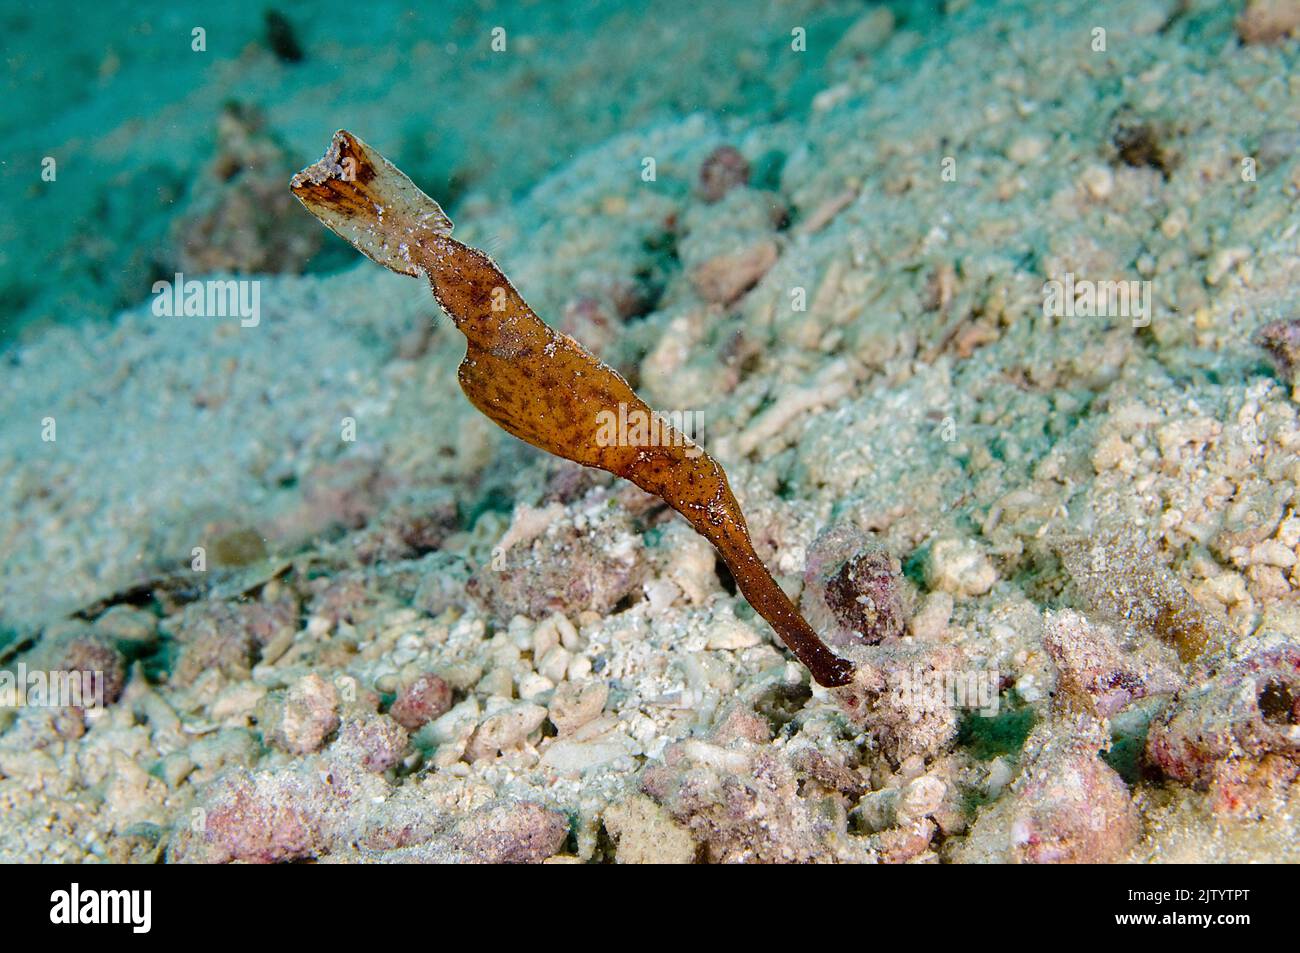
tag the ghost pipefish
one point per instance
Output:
(537, 383)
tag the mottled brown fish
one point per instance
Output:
(537, 383)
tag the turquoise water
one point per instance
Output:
(128, 109)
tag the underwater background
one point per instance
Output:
(987, 308)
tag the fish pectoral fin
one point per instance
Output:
(496, 388)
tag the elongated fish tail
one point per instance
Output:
(365, 199)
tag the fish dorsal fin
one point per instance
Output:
(368, 201)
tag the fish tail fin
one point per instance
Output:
(365, 199)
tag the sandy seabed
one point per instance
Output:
(1060, 543)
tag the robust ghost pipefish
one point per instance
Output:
(537, 383)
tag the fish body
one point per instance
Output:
(537, 383)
